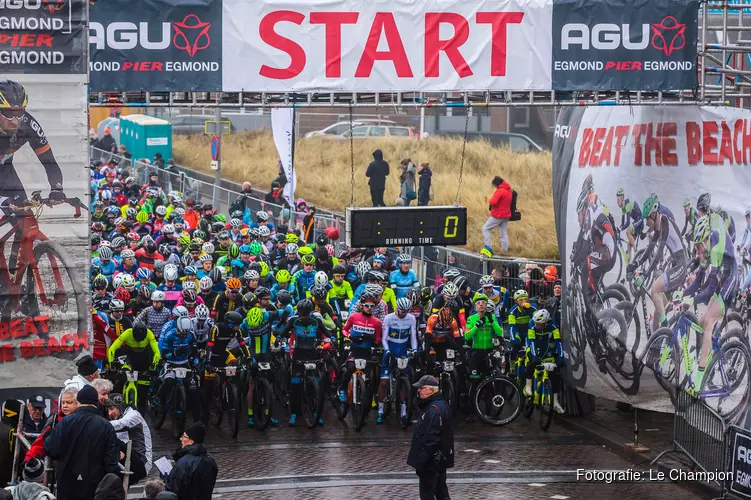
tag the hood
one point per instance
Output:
(194, 449)
(32, 491)
(110, 488)
(505, 185)
(378, 154)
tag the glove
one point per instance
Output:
(155, 359)
(480, 322)
(548, 366)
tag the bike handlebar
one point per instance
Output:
(37, 201)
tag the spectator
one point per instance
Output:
(34, 419)
(31, 491)
(407, 180)
(68, 405)
(152, 488)
(33, 471)
(107, 142)
(131, 426)
(282, 177)
(85, 447)
(553, 304)
(87, 372)
(110, 488)
(432, 448)
(244, 200)
(378, 170)
(500, 213)
(103, 388)
(423, 191)
(194, 474)
(308, 224)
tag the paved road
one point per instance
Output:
(334, 462)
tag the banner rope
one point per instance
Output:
(458, 198)
(351, 157)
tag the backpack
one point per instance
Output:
(238, 204)
(515, 214)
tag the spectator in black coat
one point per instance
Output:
(194, 474)
(107, 142)
(378, 170)
(85, 447)
(110, 488)
(34, 419)
(432, 448)
(423, 187)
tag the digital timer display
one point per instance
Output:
(406, 226)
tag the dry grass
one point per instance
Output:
(324, 177)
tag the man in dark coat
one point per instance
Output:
(194, 474)
(86, 449)
(423, 187)
(432, 449)
(34, 418)
(377, 171)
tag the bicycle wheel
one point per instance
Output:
(54, 289)
(360, 402)
(311, 393)
(404, 397)
(449, 392)
(546, 405)
(234, 408)
(623, 364)
(498, 400)
(262, 403)
(179, 409)
(575, 343)
(216, 406)
(729, 372)
(661, 357)
(157, 411)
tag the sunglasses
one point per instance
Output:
(12, 114)
(233, 292)
(367, 305)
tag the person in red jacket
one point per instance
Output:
(103, 337)
(68, 405)
(500, 213)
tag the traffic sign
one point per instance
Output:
(214, 148)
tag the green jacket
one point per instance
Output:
(481, 331)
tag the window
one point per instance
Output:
(399, 132)
(359, 132)
(179, 120)
(377, 131)
(519, 144)
(337, 129)
(520, 117)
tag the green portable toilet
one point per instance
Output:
(145, 135)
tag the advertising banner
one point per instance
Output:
(44, 317)
(624, 44)
(655, 232)
(283, 128)
(396, 45)
(42, 36)
(156, 45)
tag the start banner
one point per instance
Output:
(655, 231)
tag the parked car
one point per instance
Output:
(339, 128)
(518, 143)
(194, 124)
(380, 131)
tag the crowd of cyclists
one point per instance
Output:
(177, 284)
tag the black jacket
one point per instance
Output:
(433, 436)
(108, 143)
(194, 474)
(377, 171)
(31, 426)
(6, 453)
(423, 189)
(86, 449)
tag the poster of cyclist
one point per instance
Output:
(44, 317)
(654, 224)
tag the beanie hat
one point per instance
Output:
(33, 471)
(196, 432)
(88, 396)
(86, 366)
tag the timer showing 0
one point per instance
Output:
(406, 226)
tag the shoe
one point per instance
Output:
(292, 420)
(379, 418)
(274, 421)
(342, 396)
(487, 252)
(558, 408)
(251, 421)
(373, 404)
(528, 390)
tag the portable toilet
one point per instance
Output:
(145, 136)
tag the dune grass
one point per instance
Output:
(324, 177)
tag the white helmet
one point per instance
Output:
(127, 254)
(184, 325)
(158, 295)
(264, 231)
(190, 285)
(208, 247)
(128, 280)
(117, 281)
(180, 311)
(321, 278)
(161, 210)
(541, 316)
(202, 312)
(170, 272)
(206, 283)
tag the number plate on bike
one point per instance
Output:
(264, 366)
(181, 372)
(132, 376)
(360, 364)
(450, 354)
(310, 366)
(230, 371)
(448, 366)
(402, 363)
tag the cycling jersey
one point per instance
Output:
(631, 216)
(402, 283)
(304, 333)
(340, 292)
(364, 331)
(154, 319)
(145, 259)
(259, 337)
(389, 297)
(717, 274)
(101, 302)
(480, 331)
(397, 332)
(108, 270)
(518, 319)
(745, 243)
(176, 348)
(543, 343)
(276, 288)
(440, 333)
(202, 331)
(119, 326)
(220, 338)
(171, 294)
(456, 306)
(222, 305)
(134, 347)
(302, 281)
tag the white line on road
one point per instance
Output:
(491, 461)
(536, 485)
(558, 497)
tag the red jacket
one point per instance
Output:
(102, 332)
(500, 202)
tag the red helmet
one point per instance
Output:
(122, 294)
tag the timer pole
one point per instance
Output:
(218, 177)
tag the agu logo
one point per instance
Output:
(669, 35)
(191, 34)
(53, 5)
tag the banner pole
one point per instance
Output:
(218, 176)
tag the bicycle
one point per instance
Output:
(135, 383)
(447, 379)
(226, 398)
(176, 402)
(280, 368)
(262, 394)
(497, 392)
(358, 394)
(312, 395)
(542, 395)
(33, 282)
(400, 389)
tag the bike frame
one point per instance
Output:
(541, 396)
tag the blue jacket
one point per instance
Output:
(402, 283)
(302, 281)
(174, 347)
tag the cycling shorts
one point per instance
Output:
(388, 362)
(675, 275)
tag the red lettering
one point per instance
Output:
(726, 144)
(746, 143)
(127, 65)
(434, 45)
(637, 133)
(30, 328)
(67, 341)
(27, 350)
(693, 142)
(384, 23)
(621, 131)
(27, 40)
(275, 40)
(7, 353)
(42, 321)
(586, 146)
(738, 129)
(652, 145)
(157, 66)
(594, 160)
(333, 22)
(81, 341)
(16, 328)
(710, 143)
(54, 345)
(499, 22)
(44, 40)
(636, 66)
(4, 331)
(669, 157)
(39, 348)
(610, 65)
(607, 149)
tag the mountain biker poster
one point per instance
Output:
(44, 317)
(654, 228)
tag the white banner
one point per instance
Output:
(631, 187)
(386, 45)
(283, 126)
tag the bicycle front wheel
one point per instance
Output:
(498, 400)
(546, 405)
(312, 401)
(179, 407)
(234, 404)
(360, 402)
(262, 403)
(404, 397)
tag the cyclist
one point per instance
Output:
(227, 301)
(101, 298)
(399, 328)
(498, 295)
(118, 321)
(449, 297)
(481, 328)
(717, 214)
(141, 350)
(340, 294)
(304, 331)
(441, 333)
(519, 316)
(127, 263)
(171, 287)
(303, 279)
(202, 324)
(292, 263)
(156, 315)
(631, 220)
(388, 295)
(176, 347)
(140, 301)
(544, 346)
(331, 321)
(363, 329)
(743, 248)
(206, 290)
(687, 232)
(105, 262)
(282, 283)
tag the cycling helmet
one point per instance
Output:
(291, 249)
(254, 317)
(159, 265)
(701, 230)
(190, 285)
(450, 274)
(461, 282)
(216, 274)
(403, 304)
(217, 227)
(232, 319)
(413, 295)
(265, 269)
(161, 210)
(264, 231)
(100, 282)
(235, 223)
(144, 273)
(446, 315)
(194, 247)
(149, 245)
(158, 295)
(117, 281)
(202, 312)
(284, 298)
(189, 295)
(219, 217)
(255, 248)
(142, 217)
(127, 254)
(403, 259)
(145, 292)
(249, 300)
(253, 232)
(283, 276)
(541, 316)
(165, 250)
(450, 290)
(306, 250)
(179, 212)
(168, 229)
(308, 259)
(702, 204)
(199, 236)
(479, 297)
(105, 195)
(291, 238)
(330, 249)
(588, 186)
(251, 275)
(487, 280)
(373, 289)
(104, 243)
(122, 294)
(620, 193)
(426, 294)
(206, 283)
(98, 204)
(582, 202)
(139, 331)
(205, 258)
(117, 305)
(184, 325)
(189, 270)
(686, 202)
(305, 307)
(339, 269)
(208, 248)
(105, 254)
(97, 226)
(133, 236)
(170, 272)
(223, 272)
(236, 214)
(322, 240)
(320, 278)
(128, 280)
(118, 241)
(319, 292)
(131, 213)
(379, 276)
(180, 312)
(262, 292)
(262, 216)
(650, 206)
(234, 284)
(184, 239)
(520, 294)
